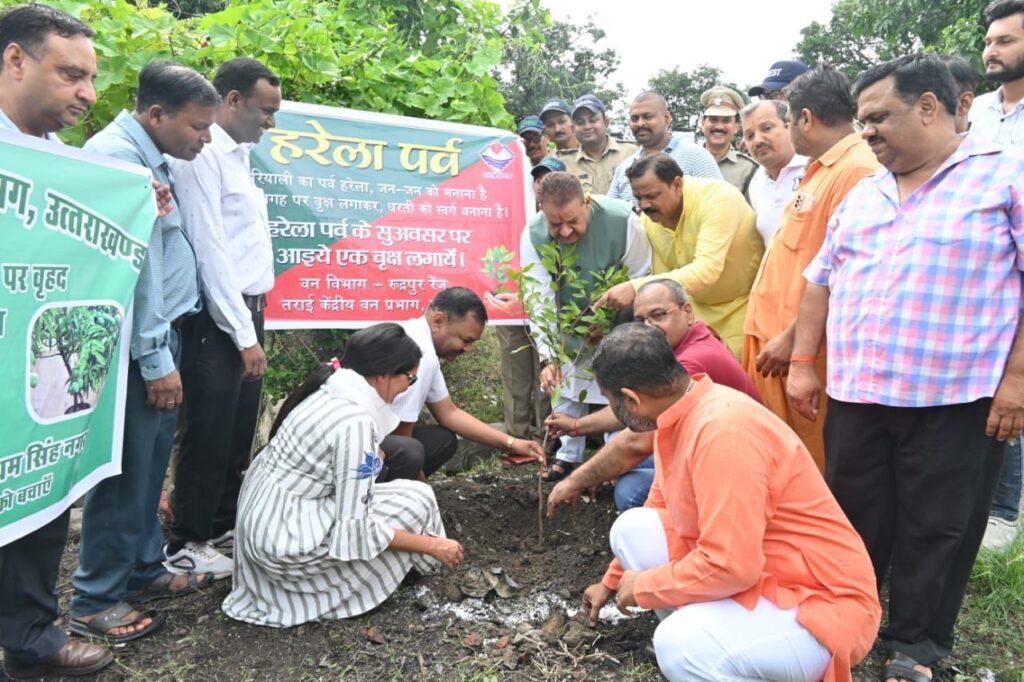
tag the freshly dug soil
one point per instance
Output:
(430, 629)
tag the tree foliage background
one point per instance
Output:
(425, 58)
(682, 90)
(862, 33)
(544, 58)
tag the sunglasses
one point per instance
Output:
(411, 377)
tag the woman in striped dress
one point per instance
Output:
(316, 537)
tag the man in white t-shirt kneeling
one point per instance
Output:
(454, 321)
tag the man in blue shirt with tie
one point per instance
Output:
(121, 552)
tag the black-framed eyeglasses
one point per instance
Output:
(656, 315)
(411, 377)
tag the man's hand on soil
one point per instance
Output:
(565, 492)
(594, 599)
(627, 598)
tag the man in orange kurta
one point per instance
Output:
(741, 548)
(821, 126)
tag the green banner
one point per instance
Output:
(74, 229)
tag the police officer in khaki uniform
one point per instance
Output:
(720, 123)
(599, 153)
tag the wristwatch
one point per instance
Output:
(509, 442)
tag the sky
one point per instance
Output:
(742, 37)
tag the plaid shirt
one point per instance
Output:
(925, 296)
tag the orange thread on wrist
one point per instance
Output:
(803, 358)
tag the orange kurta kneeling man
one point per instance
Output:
(751, 565)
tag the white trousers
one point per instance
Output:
(718, 640)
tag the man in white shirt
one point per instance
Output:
(223, 364)
(454, 321)
(999, 116)
(766, 132)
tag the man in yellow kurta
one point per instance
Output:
(702, 235)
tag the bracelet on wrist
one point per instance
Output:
(805, 359)
(575, 428)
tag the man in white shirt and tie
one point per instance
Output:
(223, 361)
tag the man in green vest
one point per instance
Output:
(603, 233)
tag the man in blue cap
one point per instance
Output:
(557, 119)
(779, 76)
(599, 153)
(531, 132)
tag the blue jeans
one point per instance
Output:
(632, 487)
(122, 545)
(1006, 503)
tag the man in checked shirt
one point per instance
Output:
(918, 284)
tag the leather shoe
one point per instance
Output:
(75, 658)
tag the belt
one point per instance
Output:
(255, 303)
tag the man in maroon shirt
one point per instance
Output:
(661, 303)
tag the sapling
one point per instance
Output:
(562, 331)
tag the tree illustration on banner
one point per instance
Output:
(498, 265)
(84, 338)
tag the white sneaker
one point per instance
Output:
(999, 535)
(199, 557)
(225, 543)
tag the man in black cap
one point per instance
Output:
(557, 119)
(595, 161)
(779, 76)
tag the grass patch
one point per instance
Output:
(991, 624)
(293, 354)
(474, 380)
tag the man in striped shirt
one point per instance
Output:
(919, 280)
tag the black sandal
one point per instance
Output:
(120, 615)
(553, 475)
(901, 667)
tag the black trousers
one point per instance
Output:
(220, 421)
(427, 451)
(917, 484)
(28, 593)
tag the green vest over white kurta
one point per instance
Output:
(602, 246)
